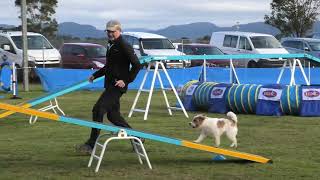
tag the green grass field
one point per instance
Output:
(45, 150)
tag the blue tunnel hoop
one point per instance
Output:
(2, 85)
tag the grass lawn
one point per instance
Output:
(45, 150)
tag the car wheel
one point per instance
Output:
(252, 64)
(165, 65)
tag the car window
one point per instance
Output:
(315, 46)
(316, 36)
(157, 44)
(34, 42)
(208, 51)
(230, 41)
(135, 41)
(130, 40)
(66, 50)
(187, 50)
(286, 43)
(244, 44)
(293, 44)
(96, 52)
(5, 40)
(125, 37)
(265, 42)
(76, 50)
(179, 48)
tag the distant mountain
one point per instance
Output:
(79, 30)
(192, 30)
(84, 31)
(138, 30)
(196, 30)
(5, 26)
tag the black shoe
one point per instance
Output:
(84, 149)
(141, 139)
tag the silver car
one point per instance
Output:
(303, 45)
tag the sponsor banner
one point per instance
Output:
(191, 90)
(312, 94)
(270, 94)
(217, 92)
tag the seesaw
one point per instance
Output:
(131, 132)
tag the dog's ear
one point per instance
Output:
(201, 117)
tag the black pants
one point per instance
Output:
(109, 102)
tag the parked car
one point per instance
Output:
(303, 45)
(83, 56)
(203, 49)
(315, 35)
(40, 51)
(149, 44)
(235, 42)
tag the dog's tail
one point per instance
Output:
(232, 116)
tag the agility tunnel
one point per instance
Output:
(131, 132)
(273, 99)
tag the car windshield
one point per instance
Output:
(315, 46)
(265, 42)
(157, 44)
(208, 51)
(96, 52)
(34, 42)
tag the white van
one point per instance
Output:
(235, 42)
(148, 44)
(40, 52)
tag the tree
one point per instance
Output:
(205, 39)
(293, 17)
(39, 16)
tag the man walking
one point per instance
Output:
(118, 75)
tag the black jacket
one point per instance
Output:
(119, 57)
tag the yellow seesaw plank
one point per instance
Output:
(8, 113)
(26, 110)
(226, 152)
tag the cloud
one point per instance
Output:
(152, 14)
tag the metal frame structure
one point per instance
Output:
(156, 74)
(137, 145)
(292, 65)
(54, 105)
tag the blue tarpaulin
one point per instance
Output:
(5, 77)
(53, 79)
(261, 75)
(269, 100)
(310, 101)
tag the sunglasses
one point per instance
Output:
(108, 31)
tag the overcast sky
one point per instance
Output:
(150, 14)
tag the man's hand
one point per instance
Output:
(120, 83)
(91, 78)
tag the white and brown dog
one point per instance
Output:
(215, 127)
